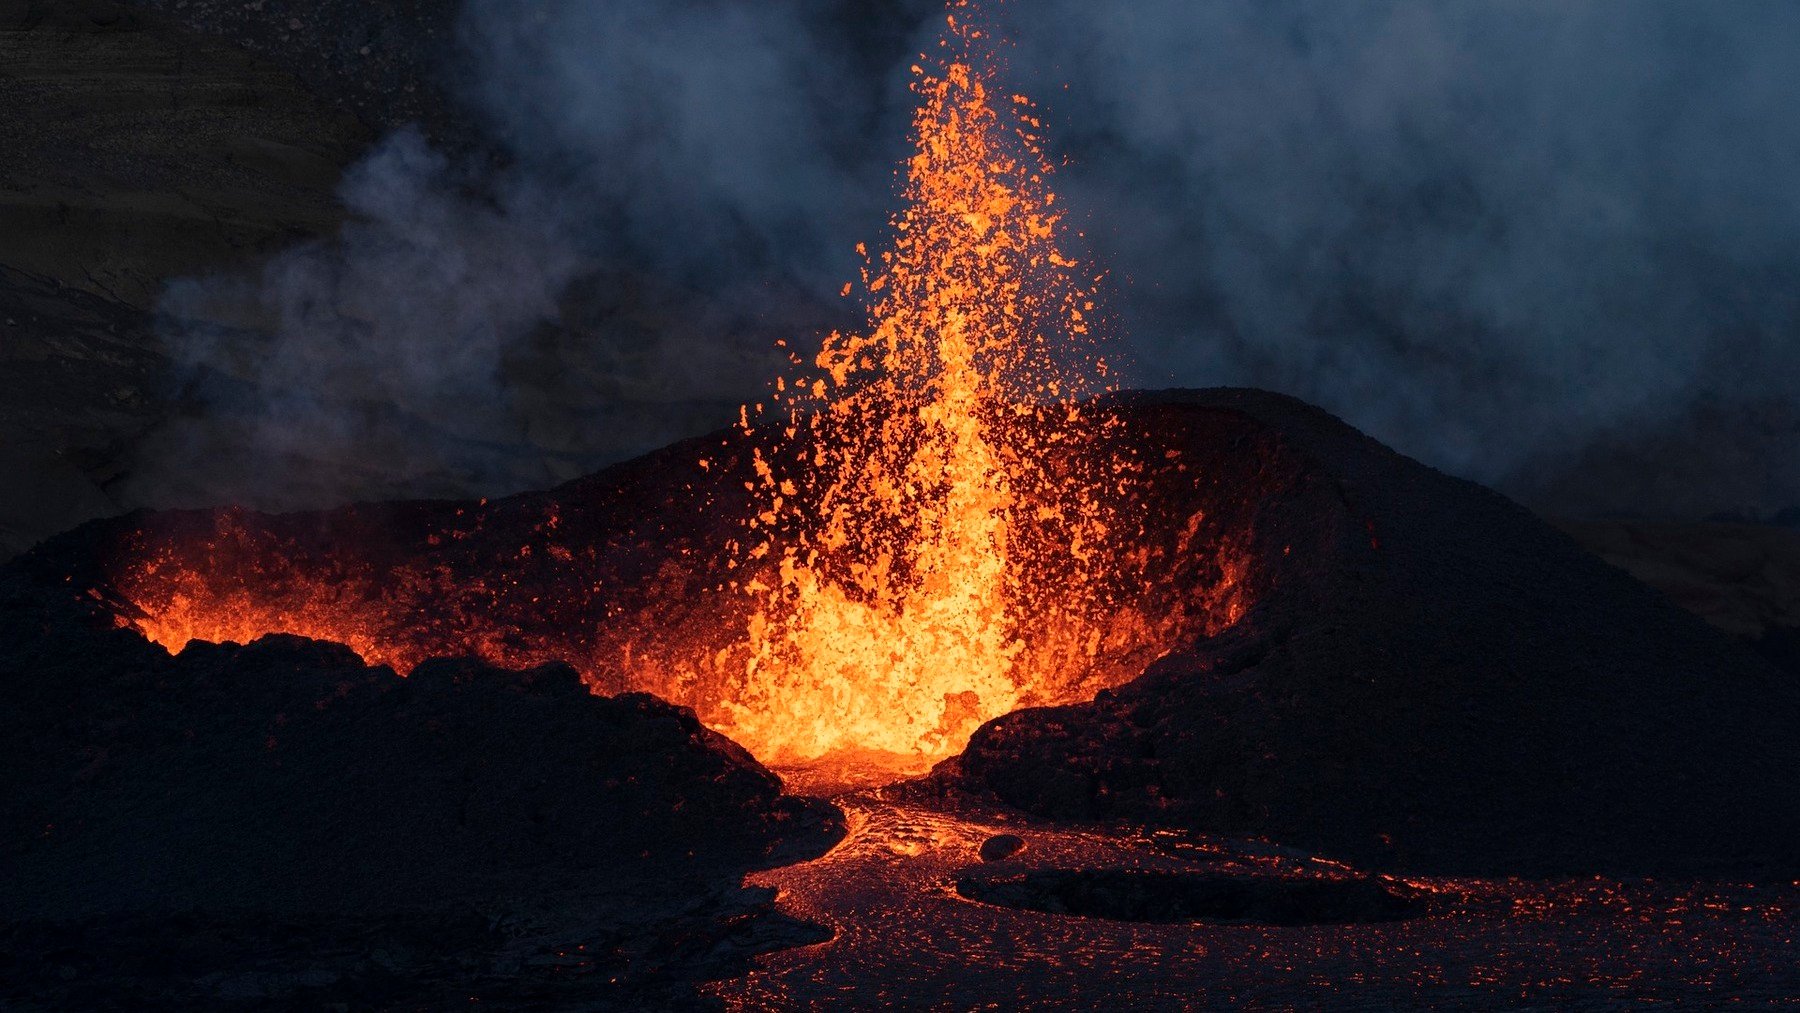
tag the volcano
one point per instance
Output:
(1332, 649)
(1331, 645)
(1429, 678)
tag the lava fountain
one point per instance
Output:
(905, 576)
(931, 522)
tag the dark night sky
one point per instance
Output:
(1550, 246)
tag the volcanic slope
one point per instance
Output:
(1439, 682)
(1358, 655)
(287, 777)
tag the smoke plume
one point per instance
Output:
(1553, 247)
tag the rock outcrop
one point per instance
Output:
(1441, 682)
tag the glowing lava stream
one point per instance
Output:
(904, 574)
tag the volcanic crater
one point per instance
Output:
(1309, 637)
(1325, 645)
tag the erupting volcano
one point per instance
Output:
(952, 675)
(1216, 701)
(940, 527)
(907, 578)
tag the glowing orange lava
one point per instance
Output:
(904, 575)
(932, 523)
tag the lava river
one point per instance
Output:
(904, 936)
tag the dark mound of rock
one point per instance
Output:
(1001, 847)
(1408, 670)
(288, 777)
(1429, 678)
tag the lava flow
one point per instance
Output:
(932, 523)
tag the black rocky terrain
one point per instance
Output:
(252, 822)
(1439, 682)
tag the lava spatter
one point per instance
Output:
(936, 520)
(906, 568)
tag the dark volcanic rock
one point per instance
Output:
(1436, 681)
(1001, 847)
(135, 152)
(386, 62)
(78, 376)
(287, 777)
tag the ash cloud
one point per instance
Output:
(660, 192)
(372, 359)
(1552, 247)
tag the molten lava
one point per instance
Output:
(904, 575)
(934, 522)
